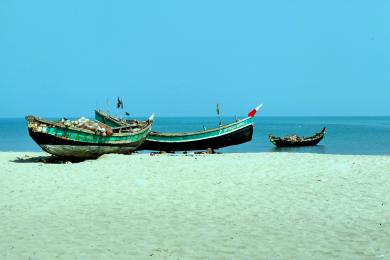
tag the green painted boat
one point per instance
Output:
(234, 133)
(86, 138)
(109, 120)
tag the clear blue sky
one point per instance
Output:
(177, 58)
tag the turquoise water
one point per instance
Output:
(345, 135)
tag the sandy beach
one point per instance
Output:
(230, 206)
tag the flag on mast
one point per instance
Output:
(119, 103)
(254, 111)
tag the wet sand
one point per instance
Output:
(231, 206)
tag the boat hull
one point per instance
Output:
(89, 151)
(233, 138)
(67, 140)
(309, 141)
(69, 148)
(296, 144)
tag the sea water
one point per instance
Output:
(345, 135)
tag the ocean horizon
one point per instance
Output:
(354, 135)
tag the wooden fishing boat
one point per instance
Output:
(113, 121)
(86, 139)
(294, 140)
(235, 133)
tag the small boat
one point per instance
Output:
(84, 138)
(294, 140)
(113, 121)
(234, 133)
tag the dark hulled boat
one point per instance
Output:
(234, 133)
(295, 141)
(86, 139)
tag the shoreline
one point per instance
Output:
(233, 205)
(286, 150)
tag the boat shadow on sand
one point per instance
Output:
(47, 159)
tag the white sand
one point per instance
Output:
(233, 206)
